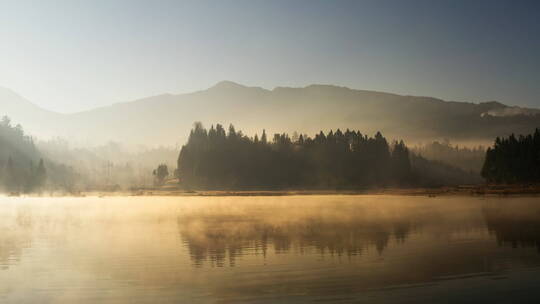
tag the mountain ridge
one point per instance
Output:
(164, 118)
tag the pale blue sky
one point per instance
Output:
(73, 55)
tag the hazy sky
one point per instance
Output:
(73, 55)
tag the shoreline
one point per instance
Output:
(484, 189)
(465, 190)
(481, 190)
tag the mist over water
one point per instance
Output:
(268, 249)
(269, 152)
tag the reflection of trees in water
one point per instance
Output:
(11, 247)
(516, 225)
(8, 249)
(20, 222)
(15, 236)
(216, 238)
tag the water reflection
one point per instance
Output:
(386, 242)
(219, 235)
(11, 247)
(348, 227)
(516, 224)
(15, 234)
(223, 237)
(281, 249)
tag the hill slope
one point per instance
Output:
(164, 119)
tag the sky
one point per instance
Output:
(72, 55)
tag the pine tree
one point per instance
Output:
(264, 141)
(41, 174)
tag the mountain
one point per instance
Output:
(21, 111)
(167, 119)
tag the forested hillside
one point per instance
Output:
(22, 167)
(219, 159)
(514, 159)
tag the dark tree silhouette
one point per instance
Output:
(213, 159)
(400, 162)
(513, 160)
(40, 175)
(18, 159)
(11, 177)
(161, 173)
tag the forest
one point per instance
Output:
(513, 159)
(219, 159)
(23, 168)
(29, 165)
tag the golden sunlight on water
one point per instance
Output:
(284, 249)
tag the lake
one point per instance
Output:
(270, 249)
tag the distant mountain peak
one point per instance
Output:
(227, 84)
(283, 109)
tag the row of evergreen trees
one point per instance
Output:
(513, 159)
(20, 178)
(18, 154)
(217, 159)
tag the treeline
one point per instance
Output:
(219, 159)
(24, 169)
(513, 159)
(21, 168)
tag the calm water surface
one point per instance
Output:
(297, 249)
